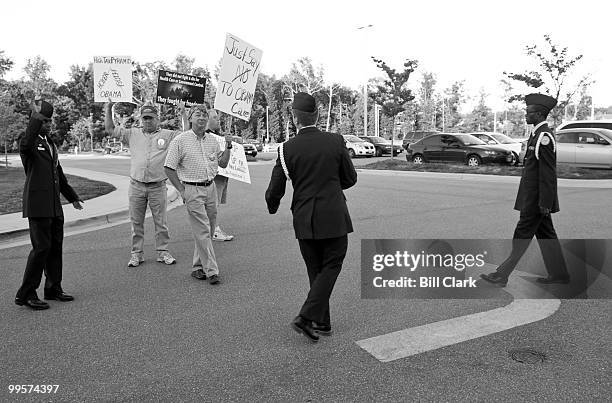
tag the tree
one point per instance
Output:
(79, 88)
(6, 64)
(454, 98)
(38, 81)
(393, 93)
(583, 109)
(303, 77)
(481, 117)
(65, 114)
(427, 104)
(552, 76)
(80, 132)
(12, 124)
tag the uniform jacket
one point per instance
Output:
(538, 187)
(320, 169)
(44, 176)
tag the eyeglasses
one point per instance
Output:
(147, 118)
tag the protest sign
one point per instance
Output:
(237, 78)
(173, 87)
(112, 78)
(237, 168)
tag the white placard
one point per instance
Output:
(112, 78)
(237, 78)
(237, 167)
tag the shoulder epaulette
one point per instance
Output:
(544, 138)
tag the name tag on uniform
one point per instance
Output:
(41, 148)
(531, 148)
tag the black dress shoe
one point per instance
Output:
(553, 280)
(303, 326)
(60, 296)
(33, 303)
(495, 278)
(323, 330)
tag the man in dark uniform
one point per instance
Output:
(41, 205)
(536, 199)
(319, 168)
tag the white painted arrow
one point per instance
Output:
(523, 310)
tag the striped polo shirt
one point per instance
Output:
(194, 159)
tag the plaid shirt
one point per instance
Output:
(193, 159)
(148, 151)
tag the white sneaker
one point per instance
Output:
(135, 260)
(221, 236)
(165, 257)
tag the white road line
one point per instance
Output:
(416, 340)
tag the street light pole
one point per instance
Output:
(267, 124)
(365, 91)
(365, 108)
(443, 116)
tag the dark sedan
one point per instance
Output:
(250, 149)
(383, 146)
(462, 148)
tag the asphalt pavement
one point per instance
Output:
(153, 333)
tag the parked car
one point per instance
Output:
(586, 124)
(413, 137)
(455, 147)
(250, 149)
(503, 141)
(257, 144)
(383, 146)
(357, 146)
(588, 148)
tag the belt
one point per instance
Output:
(149, 183)
(205, 183)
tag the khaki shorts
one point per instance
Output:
(221, 184)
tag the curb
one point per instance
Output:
(562, 182)
(21, 236)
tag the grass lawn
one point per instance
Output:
(563, 170)
(13, 179)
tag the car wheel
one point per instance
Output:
(418, 159)
(515, 159)
(378, 152)
(351, 153)
(473, 160)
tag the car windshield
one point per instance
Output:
(502, 138)
(469, 140)
(353, 139)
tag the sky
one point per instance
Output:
(474, 41)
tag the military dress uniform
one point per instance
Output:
(319, 168)
(45, 180)
(537, 193)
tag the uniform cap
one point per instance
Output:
(46, 109)
(304, 102)
(542, 100)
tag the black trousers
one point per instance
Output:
(541, 226)
(46, 235)
(323, 258)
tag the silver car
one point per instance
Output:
(503, 141)
(589, 148)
